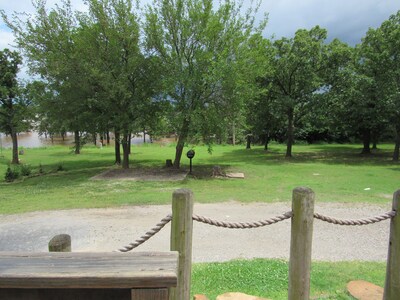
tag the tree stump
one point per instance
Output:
(168, 163)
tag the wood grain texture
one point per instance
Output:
(301, 244)
(181, 241)
(88, 270)
(392, 283)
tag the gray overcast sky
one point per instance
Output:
(347, 20)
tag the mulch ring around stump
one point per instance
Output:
(142, 174)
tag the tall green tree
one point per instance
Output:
(297, 64)
(126, 77)
(197, 43)
(13, 106)
(387, 55)
(48, 42)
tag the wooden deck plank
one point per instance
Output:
(88, 270)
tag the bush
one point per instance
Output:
(26, 170)
(41, 171)
(11, 174)
(60, 167)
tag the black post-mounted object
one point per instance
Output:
(190, 154)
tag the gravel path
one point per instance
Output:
(109, 229)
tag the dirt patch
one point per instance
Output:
(143, 174)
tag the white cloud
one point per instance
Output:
(6, 39)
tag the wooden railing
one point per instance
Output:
(87, 276)
(302, 219)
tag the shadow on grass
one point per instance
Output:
(205, 171)
(327, 155)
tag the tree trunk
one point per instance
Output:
(375, 139)
(144, 135)
(126, 150)
(117, 148)
(233, 134)
(129, 143)
(366, 141)
(248, 141)
(94, 135)
(108, 137)
(397, 144)
(77, 142)
(14, 139)
(290, 133)
(266, 141)
(181, 143)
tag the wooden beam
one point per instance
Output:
(88, 270)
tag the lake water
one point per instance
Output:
(34, 140)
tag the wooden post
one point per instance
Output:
(181, 241)
(392, 283)
(60, 243)
(301, 243)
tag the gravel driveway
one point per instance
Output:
(109, 229)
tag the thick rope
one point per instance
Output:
(359, 222)
(242, 225)
(249, 225)
(147, 235)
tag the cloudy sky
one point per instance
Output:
(347, 20)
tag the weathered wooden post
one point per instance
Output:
(181, 241)
(301, 243)
(392, 283)
(60, 243)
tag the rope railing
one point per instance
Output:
(152, 232)
(256, 224)
(242, 225)
(302, 218)
(358, 222)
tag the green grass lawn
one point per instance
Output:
(337, 173)
(269, 278)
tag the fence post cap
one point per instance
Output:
(182, 192)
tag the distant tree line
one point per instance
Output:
(200, 71)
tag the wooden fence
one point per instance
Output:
(161, 276)
(302, 219)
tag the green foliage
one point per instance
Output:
(11, 174)
(25, 170)
(14, 106)
(294, 79)
(199, 46)
(41, 170)
(60, 167)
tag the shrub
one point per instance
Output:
(11, 174)
(26, 170)
(60, 167)
(41, 171)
